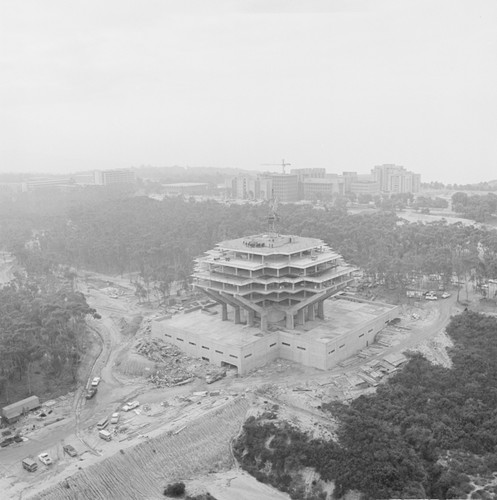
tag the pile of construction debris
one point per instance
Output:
(157, 350)
(174, 367)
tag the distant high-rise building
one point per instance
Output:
(396, 179)
(13, 187)
(118, 176)
(266, 186)
(323, 188)
(49, 183)
(283, 187)
(307, 173)
(244, 187)
(360, 184)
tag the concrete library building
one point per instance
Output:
(274, 296)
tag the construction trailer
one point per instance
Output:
(15, 411)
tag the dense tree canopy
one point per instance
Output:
(160, 239)
(42, 324)
(417, 437)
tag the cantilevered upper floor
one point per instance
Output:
(271, 267)
(255, 253)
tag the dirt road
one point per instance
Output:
(114, 389)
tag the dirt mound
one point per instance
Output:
(143, 471)
(133, 364)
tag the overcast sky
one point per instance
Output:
(344, 85)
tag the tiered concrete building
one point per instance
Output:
(269, 278)
(275, 297)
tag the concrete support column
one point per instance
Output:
(301, 316)
(264, 322)
(224, 312)
(289, 321)
(311, 312)
(321, 309)
(250, 317)
(237, 315)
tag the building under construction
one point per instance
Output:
(271, 278)
(278, 297)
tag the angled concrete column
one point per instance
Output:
(311, 313)
(289, 321)
(301, 316)
(321, 309)
(237, 315)
(224, 312)
(264, 322)
(250, 317)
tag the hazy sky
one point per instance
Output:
(343, 85)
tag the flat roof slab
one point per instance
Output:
(214, 329)
(342, 316)
(280, 244)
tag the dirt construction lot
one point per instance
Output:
(182, 430)
(144, 470)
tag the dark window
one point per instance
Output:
(248, 355)
(205, 347)
(361, 335)
(343, 345)
(369, 331)
(219, 352)
(205, 359)
(284, 343)
(192, 343)
(233, 356)
(331, 352)
(301, 348)
(181, 340)
(167, 335)
(272, 345)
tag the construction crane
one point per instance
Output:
(283, 164)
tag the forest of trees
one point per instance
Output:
(42, 333)
(160, 239)
(423, 433)
(480, 208)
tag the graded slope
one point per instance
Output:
(143, 471)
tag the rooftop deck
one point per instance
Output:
(269, 244)
(342, 317)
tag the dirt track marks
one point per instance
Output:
(142, 471)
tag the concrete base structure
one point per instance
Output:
(337, 330)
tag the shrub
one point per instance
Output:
(175, 490)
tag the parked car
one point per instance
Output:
(431, 297)
(445, 295)
(131, 405)
(114, 418)
(70, 450)
(6, 442)
(91, 392)
(95, 382)
(44, 458)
